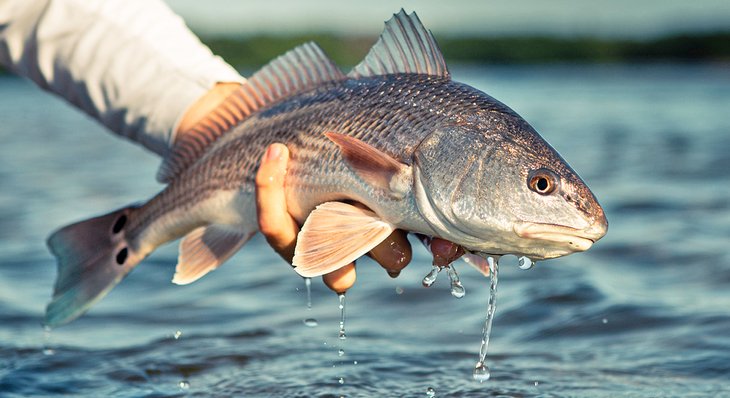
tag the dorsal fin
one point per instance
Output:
(299, 69)
(405, 46)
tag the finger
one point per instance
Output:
(275, 223)
(445, 252)
(341, 279)
(394, 253)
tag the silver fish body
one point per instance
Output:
(406, 117)
(424, 153)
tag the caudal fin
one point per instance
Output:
(93, 256)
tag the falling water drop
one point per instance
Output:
(481, 371)
(457, 289)
(526, 263)
(430, 392)
(310, 322)
(177, 335)
(47, 350)
(341, 352)
(341, 380)
(342, 334)
(308, 285)
(184, 385)
(429, 279)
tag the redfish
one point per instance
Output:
(424, 153)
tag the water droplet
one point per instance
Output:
(310, 322)
(430, 392)
(604, 320)
(177, 334)
(429, 279)
(526, 263)
(354, 362)
(341, 380)
(398, 290)
(457, 289)
(184, 385)
(342, 334)
(47, 350)
(481, 372)
(308, 285)
(341, 352)
(536, 383)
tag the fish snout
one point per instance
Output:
(569, 239)
(597, 230)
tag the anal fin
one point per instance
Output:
(204, 249)
(336, 234)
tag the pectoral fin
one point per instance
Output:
(478, 262)
(336, 234)
(374, 166)
(205, 249)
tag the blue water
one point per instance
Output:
(645, 313)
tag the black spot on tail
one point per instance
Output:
(122, 256)
(119, 224)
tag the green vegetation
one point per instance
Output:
(251, 52)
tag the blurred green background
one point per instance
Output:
(248, 34)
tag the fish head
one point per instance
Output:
(499, 188)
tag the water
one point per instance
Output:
(653, 142)
(430, 278)
(457, 289)
(341, 335)
(526, 263)
(481, 370)
(310, 322)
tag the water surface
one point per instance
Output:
(644, 313)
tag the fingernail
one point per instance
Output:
(393, 274)
(273, 152)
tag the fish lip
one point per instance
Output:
(576, 239)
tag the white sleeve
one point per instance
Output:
(131, 64)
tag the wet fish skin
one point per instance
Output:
(425, 153)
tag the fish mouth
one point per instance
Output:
(576, 240)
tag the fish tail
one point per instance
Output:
(93, 256)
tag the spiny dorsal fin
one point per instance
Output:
(299, 69)
(405, 46)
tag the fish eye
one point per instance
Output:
(542, 181)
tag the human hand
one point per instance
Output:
(280, 228)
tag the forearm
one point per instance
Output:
(131, 64)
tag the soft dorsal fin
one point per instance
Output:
(299, 69)
(405, 46)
